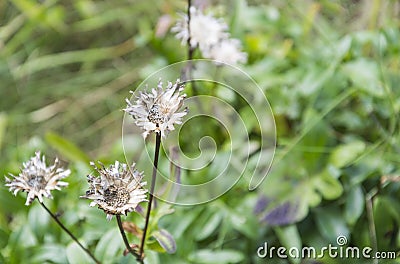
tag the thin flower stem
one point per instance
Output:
(190, 52)
(152, 186)
(70, 234)
(190, 49)
(121, 229)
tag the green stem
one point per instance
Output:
(151, 196)
(69, 233)
(128, 247)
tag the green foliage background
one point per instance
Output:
(330, 70)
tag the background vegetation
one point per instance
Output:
(330, 70)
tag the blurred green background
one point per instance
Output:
(330, 70)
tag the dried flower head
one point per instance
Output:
(227, 51)
(158, 110)
(37, 179)
(205, 30)
(118, 190)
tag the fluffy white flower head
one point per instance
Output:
(227, 51)
(37, 179)
(205, 30)
(158, 110)
(118, 190)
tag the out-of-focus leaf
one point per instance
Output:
(247, 114)
(207, 256)
(10, 203)
(386, 218)
(246, 224)
(76, 255)
(331, 224)
(3, 125)
(162, 210)
(365, 75)
(109, 246)
(210, 226)
(166, 240)
(317, 137)
(185, 221)
(151, 257)
(67, 148)
(290, 238)
(3, 238)
(314, 79)
(344, 155)
(329, 186)
(355, 204)
(50, 253)
(24, 237)
(38, 219)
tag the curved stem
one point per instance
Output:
(128, 247)
(153, 184)
(69, 233)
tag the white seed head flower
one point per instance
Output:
(118, 190)
(37, 179)
(205, 30)
(158, 110)
(227, 51)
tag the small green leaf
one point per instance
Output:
(210, 226)
(331, 224)
(207, 256)
(166, 240)
(355, 204)
(185, 221)
(328, 186)
(109, 246)
(290, 238)
(67, 148)
(154, 246)
(344, 155)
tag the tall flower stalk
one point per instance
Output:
(38, 180)
(156, 111)
(191, 49)
(151, 194)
